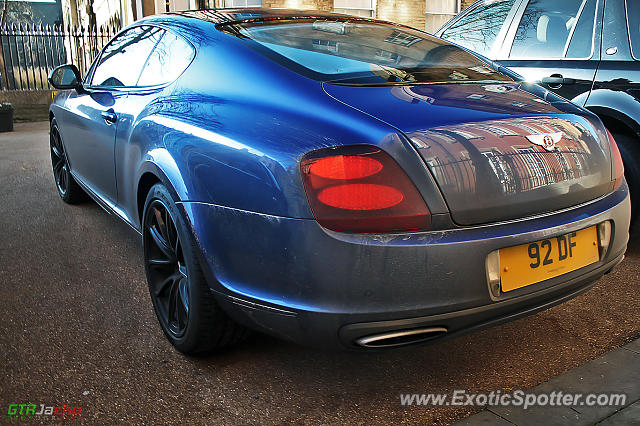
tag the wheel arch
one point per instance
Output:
(616, 110)
(616, 121)
(151, 174)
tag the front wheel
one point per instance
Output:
(182, 300)
(68, 189)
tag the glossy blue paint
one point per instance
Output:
(227, 137)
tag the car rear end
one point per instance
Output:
(504, 199)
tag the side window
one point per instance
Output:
(122, 60)
(171, 56)
(545, 28)
(633, 19)
(478, 29)
(581, 45)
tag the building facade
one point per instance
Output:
(427, 15)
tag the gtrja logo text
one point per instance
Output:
(34, 411)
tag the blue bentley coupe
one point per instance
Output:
(336, 181)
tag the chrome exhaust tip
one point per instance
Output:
(401, 337)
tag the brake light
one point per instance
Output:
(362, 189)
(617, 161)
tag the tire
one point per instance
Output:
(184, 305)
(630, 151)
(67, 187)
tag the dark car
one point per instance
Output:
(587, 51)
(336, 181)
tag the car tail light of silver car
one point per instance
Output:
(361, 189)
(617, 161)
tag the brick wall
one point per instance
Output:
(408, 12)
(467, 3)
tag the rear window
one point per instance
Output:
(361, 52)
(633, 19)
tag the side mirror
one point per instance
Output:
(66, 77)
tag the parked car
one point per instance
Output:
(584, 50)
(336, 181)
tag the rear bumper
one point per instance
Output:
(293, 279)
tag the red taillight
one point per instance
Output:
(345, 167)
(360, 196)
(617, 161)
(362, 189)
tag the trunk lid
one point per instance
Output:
(484, 144)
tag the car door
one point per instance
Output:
(92, 117)
(169, 59)
(556, 43)
(619, 70)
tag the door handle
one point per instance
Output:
(109, 116)
(558, 80)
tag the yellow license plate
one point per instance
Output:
(532, 263)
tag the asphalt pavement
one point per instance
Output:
(77, 328)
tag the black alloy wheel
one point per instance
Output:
(166, 269)
(68, 189)
(59, 163)
(184, 303)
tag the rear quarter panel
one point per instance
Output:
(231, 132)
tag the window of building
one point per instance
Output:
(402, 38)
(242, 3)
(439, 12)
(364, 8)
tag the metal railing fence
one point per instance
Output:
(29, 52)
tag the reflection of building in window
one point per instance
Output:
(385, 55)
(457, 75)
(526, 128)
(438, 169)
(465, 134)
(501, 170)
(365, 8)
(567, 171)
(547, 128)
(577, 161)
(483, 70)
(328, 45)
(477, 96)
(496, 130)
(538, 173)
(403, 39)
